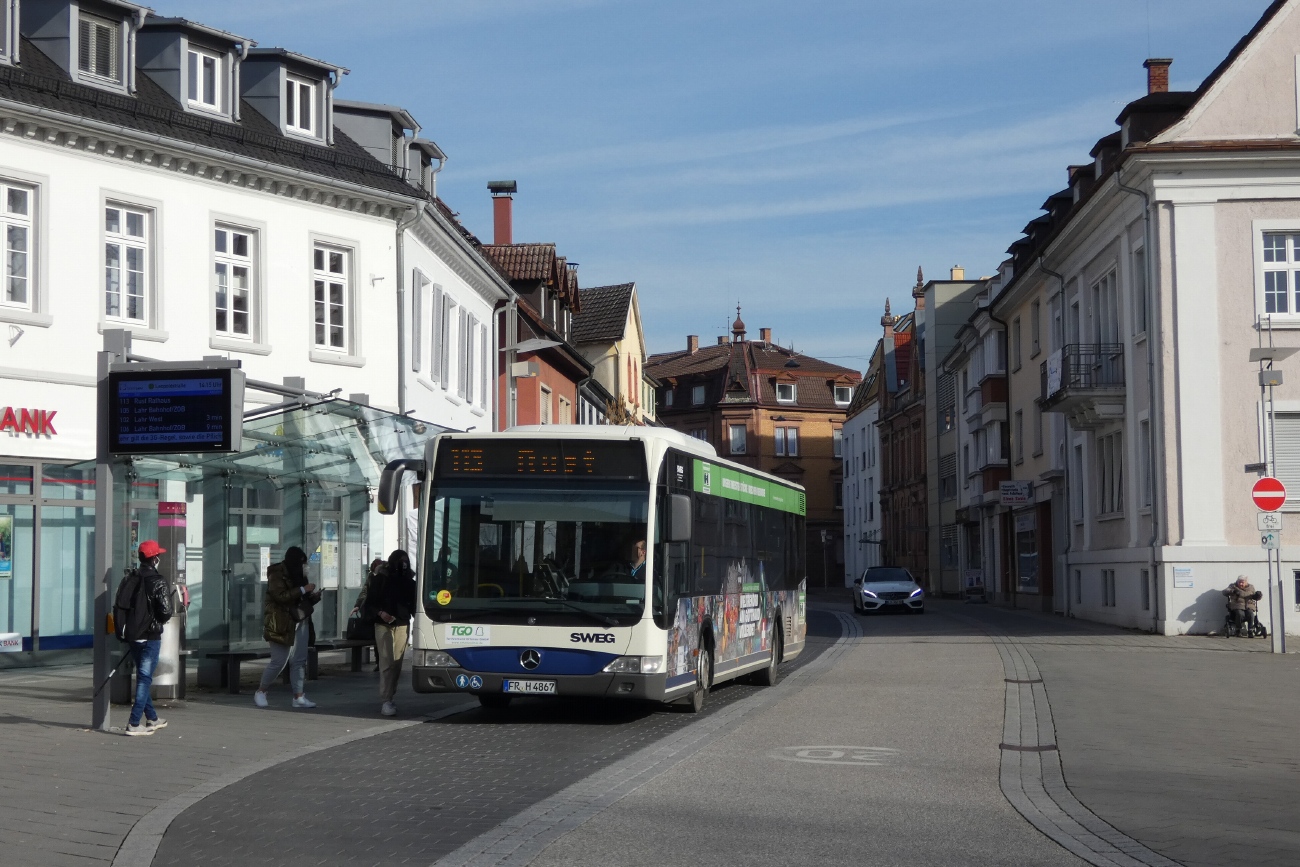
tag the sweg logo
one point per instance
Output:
(591, 637)
(465, 631)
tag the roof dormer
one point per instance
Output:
(294, 92)
(198, 66)
(9, 37)
(380, 129)
(421, 160)
(93, 40)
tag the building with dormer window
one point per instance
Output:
(773, 409)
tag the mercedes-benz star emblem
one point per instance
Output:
(530, 659)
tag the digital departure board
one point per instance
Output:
(175, 411)
(517, 458)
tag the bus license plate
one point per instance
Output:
(536, 687)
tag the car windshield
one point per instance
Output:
(886, 575)
(536, 553)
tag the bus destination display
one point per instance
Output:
(459, 458)
(175, 411)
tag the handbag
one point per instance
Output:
(359, 629)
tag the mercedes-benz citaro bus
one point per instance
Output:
(624, 562)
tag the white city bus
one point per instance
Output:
(531, 581)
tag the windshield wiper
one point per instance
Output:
(599, 618)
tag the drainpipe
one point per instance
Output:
(1006, 451)
(512, 338)
(403, 223)
(1069, 529)
(236, 93)
(1157, 417)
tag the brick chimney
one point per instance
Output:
(765, 335)
(692, 343)
(958, 272)
(1158, 74)
(723, 340)
(502, 210)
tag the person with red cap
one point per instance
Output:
(145, 635)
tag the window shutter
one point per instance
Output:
(1286, 452)
(485, 367)
(417, 322)
(435, 333)
(83, 46)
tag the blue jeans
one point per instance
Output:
(146, 659)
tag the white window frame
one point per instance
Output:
(231, 260)
(848, 395)
(566, 410)
(668, 396)
(485, 368)
(837, 443)
(737, 444)
(195, 79)
(27, 223)
(118, 31)
(292, 114)
(350, 353)
(123, 242)
(1290, 228)
(698, 395)
(544, 404)
(793, 396)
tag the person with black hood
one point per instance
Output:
(390, 602)
(145, 634)
(287, 624)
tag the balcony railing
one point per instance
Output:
(1081, 368)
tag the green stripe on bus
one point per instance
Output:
(734, 485)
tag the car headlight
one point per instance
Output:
(636, 665)
(866, 592)
(436, 659)
(915, 593)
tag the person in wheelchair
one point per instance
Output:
(1243, 608)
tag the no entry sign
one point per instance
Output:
(1269, 494)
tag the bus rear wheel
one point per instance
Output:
(703, 680)
(494, 701)
(767, 677)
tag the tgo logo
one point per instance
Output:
(591, 637)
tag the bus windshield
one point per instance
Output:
(536, 553)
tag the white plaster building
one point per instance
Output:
(860, 442)
(1178, 253)
(212, 198)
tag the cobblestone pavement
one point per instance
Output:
(414, 795)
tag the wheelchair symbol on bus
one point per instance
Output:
(476, 682)
(462, 680)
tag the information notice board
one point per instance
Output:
(175, 411)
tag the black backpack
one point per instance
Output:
(132, 615)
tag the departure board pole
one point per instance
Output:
(117, 346)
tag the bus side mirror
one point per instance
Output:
(679, 529)
(390, 483)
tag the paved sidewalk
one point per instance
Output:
(73, 794)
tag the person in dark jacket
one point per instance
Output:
(1243, 602)
(144, 647)
(286, 624)
(390, 601)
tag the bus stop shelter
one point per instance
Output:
(305, 476)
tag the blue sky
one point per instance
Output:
(802, 158)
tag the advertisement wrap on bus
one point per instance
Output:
(627, 563)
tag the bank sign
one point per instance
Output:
(37, 422)
(734, 485)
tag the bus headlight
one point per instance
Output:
(436, 659)
(636, 665)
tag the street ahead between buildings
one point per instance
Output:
(969, 735)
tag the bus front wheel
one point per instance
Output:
(703, 679)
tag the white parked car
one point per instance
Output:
(888, 588)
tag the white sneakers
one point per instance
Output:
(155, 724)
(259, 699)
(137, 730)
(389, 709)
